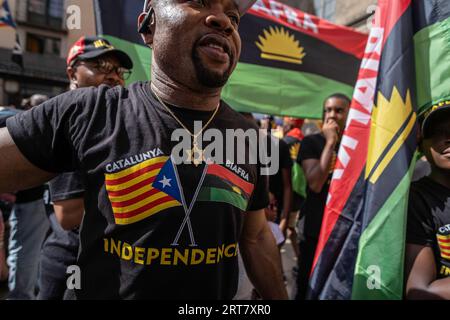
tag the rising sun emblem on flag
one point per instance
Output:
(278, 44)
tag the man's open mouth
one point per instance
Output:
(216, 47)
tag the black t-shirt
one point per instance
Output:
(121, 139)
(429, 221)
(67, 186)
(62, 245)
(30, 195)
(312, 148)
(276, 181)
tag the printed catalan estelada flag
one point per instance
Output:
(143, 190)
(290, 62)
(406, 68)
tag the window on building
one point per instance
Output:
(46, 12)
(325, 9)
(43, 45)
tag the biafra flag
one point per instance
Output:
(290, 61)
(360, 254)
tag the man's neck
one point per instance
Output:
(177, 94)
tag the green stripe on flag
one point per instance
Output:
(267, 90)
(254, 88)
(299, 182)
(382, 249)
(222, 195)
(140, 54)
(432, 52)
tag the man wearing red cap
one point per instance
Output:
(153, 228)
(92, 61)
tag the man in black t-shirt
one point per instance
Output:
(154, 228)
(92, 61)
(428, 232)
(317, 157)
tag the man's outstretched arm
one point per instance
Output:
(421, 277)
(16, 172)
(261, 256)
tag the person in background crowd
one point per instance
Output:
(428, 229)
(29, 227)
(317, 157)
(293, 138)
(6, 202)
(92, 61)
(280, 182)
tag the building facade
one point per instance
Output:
(45, 36)
(47, 28)
(356, 14)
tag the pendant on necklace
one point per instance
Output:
(195, 155)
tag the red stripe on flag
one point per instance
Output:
(114, 182)
(122, 204)
(144, 208)
(224, 173)
(387, 16)
(391, 12)
(132, 188)
(444, 241)
(343, 38)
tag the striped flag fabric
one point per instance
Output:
(222, 185)
(6, 18)
(360, 254)
(290, 60)
(444, 245)
(143, 190)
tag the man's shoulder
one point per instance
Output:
(103, 90)
(315, 140)
(314, 137)
(100, 97)
(423, 186)
(236, 118)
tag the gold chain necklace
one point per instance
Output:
(195, 155)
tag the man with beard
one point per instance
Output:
(153, 228)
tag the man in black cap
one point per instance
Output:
(154, 228)
(428, 232)
(92, 61)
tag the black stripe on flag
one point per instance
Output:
(321, 58)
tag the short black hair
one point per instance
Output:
(338, 96)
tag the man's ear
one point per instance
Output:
(71, 74)
(70, 71)
(149, 27)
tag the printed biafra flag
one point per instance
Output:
(360, 254)
(290, 62)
